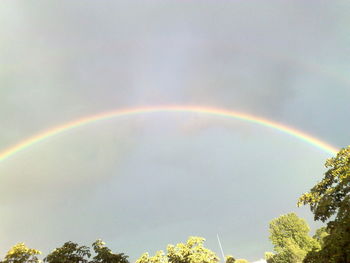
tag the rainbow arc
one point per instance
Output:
(185, 109)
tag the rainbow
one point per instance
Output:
(186, 109)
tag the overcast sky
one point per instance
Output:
(141, 182)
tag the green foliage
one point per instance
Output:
(69, 253)
(269, 257)
(320, 235)
(230, 259)
(159, 257)
(20, 253)
(192, 251)
(291, 253)
(290, 236)
(331, 195)
(331, 198)
(105, 255)
(145, 258)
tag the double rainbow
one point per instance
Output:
(186, 109)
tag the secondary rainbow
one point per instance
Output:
(185, 109)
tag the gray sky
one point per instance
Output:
(144, 181)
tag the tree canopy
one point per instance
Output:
(105, 255)
(329, 200)
(69, 253)
(193, 251)
(290, 236)
(20, 253)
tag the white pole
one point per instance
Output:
(222, 251)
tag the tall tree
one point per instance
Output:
(193, 251)
(290, 236)
(329, 200)
(69, 253)
(20, 253)
(105, 255)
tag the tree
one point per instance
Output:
(69, 253)
(290, 236)
(20, 253)
(192, 251)
(105, 255)
(230, 259)
(330, 198)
